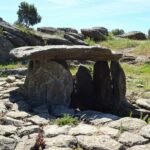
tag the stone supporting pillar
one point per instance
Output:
(48, 82)
(103, 87)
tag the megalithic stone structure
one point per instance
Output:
(49, 81)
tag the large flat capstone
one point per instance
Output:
(64, 52)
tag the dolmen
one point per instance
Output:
(49, 80)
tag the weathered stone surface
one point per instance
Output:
(96, 33)
(140, 147)
(128, 123)
(74, 40)
(28, 130)
(92, 115)
(102, 142)
(54, 130)
(48, 30)
(101, 121)
(56, 40)
(119, 86)
(68, 30)
(59, 148)
(83, 94)
(136, 35)
(17, 114)
(102, 86)
(145, 131)
(114, 133)
(5, 47)
(83, 129)
(21, 105)
(38, 120)
(7, 143)
(61, 141)
(11, 121)
(76, 35)
(65, 52)
(48, 83)
(130, 139)
(145, 103)
(7, 130)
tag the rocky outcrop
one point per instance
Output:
(74, 40)
(135, 35)
(64, 52)
(68, 30)
(96, 33)
(11, 36)
(49, 30)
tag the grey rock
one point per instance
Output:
(119, 83)
(136, 35)
(37, 120)
(22, 106)
(17, 114)
(68, 30)
(144, 103)
(140, 147)
(61, 141)
(83, 94)
(145, 131)
(50, 83)
(94, 34)
(103, 87)
(130, 139)
(128, 123)
(74, 40)
(99, 122)
(101, 142)
(5, 47)
(114, 133)
(7, 143)
(59, 148)
(55, 130)
(83, 129)
(48, 30)
(11, 121)
(56, 40)
(7, 130)
(18, 71)
(11, 79)
(28, 130)
(65, 52)
(77, 36)
(92, 115)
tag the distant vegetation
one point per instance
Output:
(28, 15)
(117, 31)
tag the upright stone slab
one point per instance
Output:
(83, 94)
(48, 82)
(103, 88)
(118, 81)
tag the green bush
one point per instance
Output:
(117, 31)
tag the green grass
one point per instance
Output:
(12, 65)
(65, 120)
(26, 30)
(118, 43)
(138, 74)
(141, 47)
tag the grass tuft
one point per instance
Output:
(65, 120)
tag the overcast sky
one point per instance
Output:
(126, 14)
